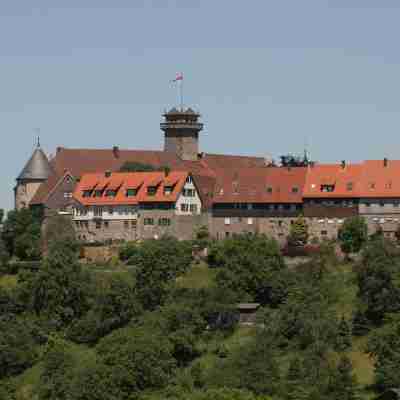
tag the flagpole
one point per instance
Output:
(181, 93)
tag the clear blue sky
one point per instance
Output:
(265, 74)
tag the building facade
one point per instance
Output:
(134, 206)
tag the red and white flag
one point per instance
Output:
(179, 77)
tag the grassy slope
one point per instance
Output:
(200, 276)
(8, 281)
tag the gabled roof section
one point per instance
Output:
(259, 185)
(37, 168)
(380, 178)
(131, 180)
(343, 179)
(84, 161)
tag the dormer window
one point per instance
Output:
(327, 188)
(131, 192)
(269, 189)
(152, 190)
(86, 193)
(98, 193)
(111, 193)
(295, 189)
(167, 190)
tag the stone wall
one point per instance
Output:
(24, 192)
(181, 227)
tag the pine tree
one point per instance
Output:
(298, 235)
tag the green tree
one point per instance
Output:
(22, 234)
(4, 257)
(60, 289)
(114, 305)
(298, 235)
(250, 266)
(384, 346)
(375, 274)
(137, 359)
(158, 263)
(344, 341)
(17, 347)
(252, 367)
(57, 373)
(353, 234)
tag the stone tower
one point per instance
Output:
(181, 133)
(36, 171)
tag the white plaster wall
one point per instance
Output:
(188, 200)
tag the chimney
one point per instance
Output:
(385, 162)
(107, 174)
(116, 151)
(343, 164)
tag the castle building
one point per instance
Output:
(231, 194)
(36, 172)
(139, 205)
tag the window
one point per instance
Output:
(227, 221)
(87, 193)
(152, 190)
(189, 179)
(269, 189)
(382, 204)
(324, 233)
(110, 210)
(111, 193)
(134, 224)
(148, 221)
(188, 192)
(77, 224)
(193, 208)
(106, 224)
(184, 207)
(98, 224)
(349, 186)
(98, 211)
(327, 188)
(126, 224)
(67, 195)
(295, 189)
(164, 222)
(395, 203)
(167, 190)
(249, 221)
(280, 223)
(98, 193)
(131, 192)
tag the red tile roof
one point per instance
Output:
(83, 161)
(380, 180)
(343, 178)
(259, 185)
(124, 179)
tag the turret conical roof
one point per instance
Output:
(38, 167)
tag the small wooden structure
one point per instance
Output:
(247, 313)
(390, 394)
